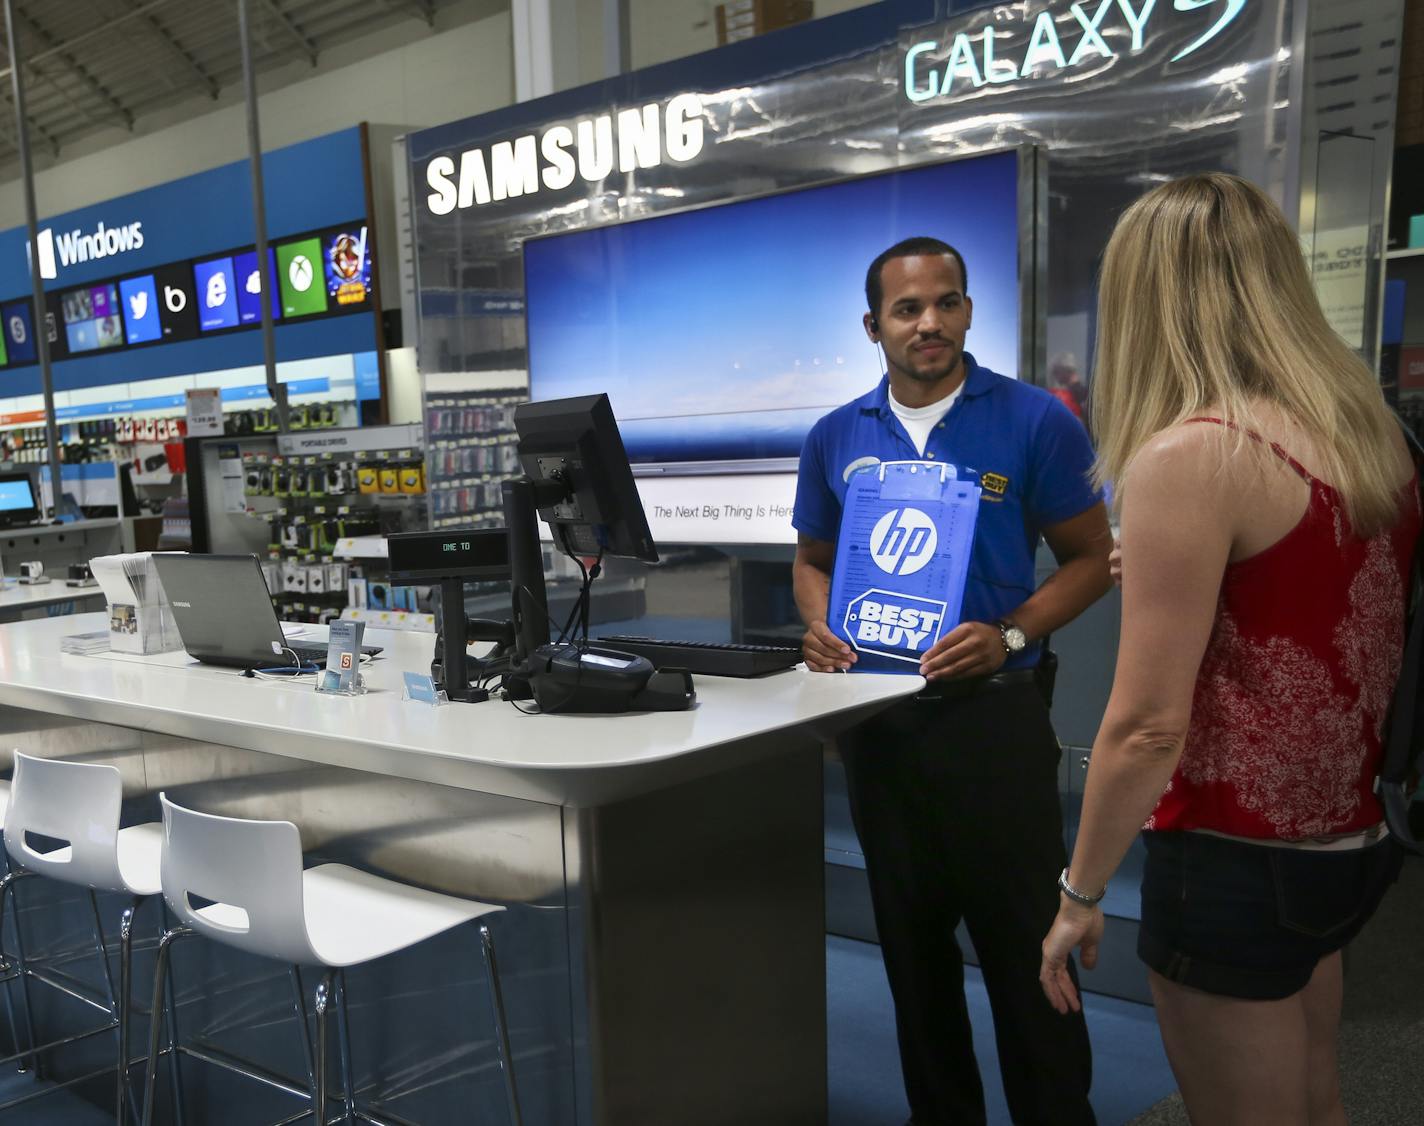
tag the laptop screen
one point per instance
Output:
(222, 608)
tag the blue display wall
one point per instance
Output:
(314, 184)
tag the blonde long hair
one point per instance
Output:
(1204, 307)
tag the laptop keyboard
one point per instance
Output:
(316, 654)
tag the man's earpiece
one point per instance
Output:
(874, 323)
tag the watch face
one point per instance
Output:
(1015, 638)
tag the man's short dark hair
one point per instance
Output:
(920, 246)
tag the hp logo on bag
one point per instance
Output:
(903, 542)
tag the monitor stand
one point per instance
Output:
(573, 676)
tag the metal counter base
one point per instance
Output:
(662, 957)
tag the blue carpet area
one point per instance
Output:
(1128, 1061)
(57, 1108)
(865, 1086)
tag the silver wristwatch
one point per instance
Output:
(1013, 637)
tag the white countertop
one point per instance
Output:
(17, 595)
(24, 531)
(569, 760)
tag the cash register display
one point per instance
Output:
(469, 554)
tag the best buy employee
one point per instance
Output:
(955, 791)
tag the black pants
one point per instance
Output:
(956, 804)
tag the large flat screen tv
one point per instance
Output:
(722, 333)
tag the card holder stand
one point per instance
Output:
(422, 690)
(328, 683)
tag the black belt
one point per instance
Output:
(976, 686)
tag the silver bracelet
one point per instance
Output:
(1077, 896)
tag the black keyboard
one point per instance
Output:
(316, 655)
(711, 658)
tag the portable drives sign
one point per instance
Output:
(901, 561)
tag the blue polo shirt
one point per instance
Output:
(1031, 455)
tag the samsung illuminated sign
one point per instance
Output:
(552, 160)
(979, 57)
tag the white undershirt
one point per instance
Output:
(919, 422)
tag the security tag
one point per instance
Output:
(902, 560)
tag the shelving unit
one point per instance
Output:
(329, 501)
(471, 449)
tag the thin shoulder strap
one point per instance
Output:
(1276, 448)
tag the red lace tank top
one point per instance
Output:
(1295, 685)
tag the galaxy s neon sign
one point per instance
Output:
(978, 57)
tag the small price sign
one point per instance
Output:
(204, 412)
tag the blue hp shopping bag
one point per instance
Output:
(902, 559)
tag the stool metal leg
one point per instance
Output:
(160, 980)
(125, 1009)
(102, 947)
(343, 1032)
(10, 1004)
(299, 1003)
(7, 885)
(175, 1068)
(501, 1027)
(323, 999)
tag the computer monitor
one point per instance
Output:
(577, 477)
(18, 504)
(576, 442)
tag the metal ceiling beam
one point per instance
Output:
(183, 53)
(100, 29)
(291, 29)
(54, 85)
(7, 134)
(425, 8)
(65, 56)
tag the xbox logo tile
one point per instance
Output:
(299, 273)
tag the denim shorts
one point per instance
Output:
(1251, 921)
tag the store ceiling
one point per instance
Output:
(93, 65)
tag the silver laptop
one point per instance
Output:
(225, 616)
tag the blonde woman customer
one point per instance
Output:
(1269, 512)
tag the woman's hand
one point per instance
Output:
(1115, 562)
(1076, 925)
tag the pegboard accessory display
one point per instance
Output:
(323, 500)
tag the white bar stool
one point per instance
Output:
(241, 883)
(77, 806)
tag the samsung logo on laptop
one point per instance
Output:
(1005, 51)
(555, 158)
(75, 246)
